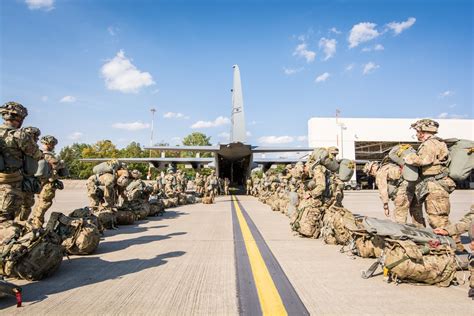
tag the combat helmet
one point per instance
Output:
(33, 131)
(368, 166)
(426, 125)
(49, 140)
(136, 174)
(13, 111)
(333, 151)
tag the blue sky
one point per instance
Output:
(90, 70)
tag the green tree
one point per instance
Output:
(134, 150)
(197, 139)
(71, 155)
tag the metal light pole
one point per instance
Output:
(153, 110)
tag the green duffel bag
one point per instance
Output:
(125, 217)
(346, 169)
(462, 158)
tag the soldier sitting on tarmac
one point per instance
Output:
(392, 186)
(466, 224)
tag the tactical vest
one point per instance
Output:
(11, 153)
(439, 165)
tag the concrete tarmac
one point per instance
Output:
(184, 264)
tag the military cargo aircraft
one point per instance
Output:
(234, 160)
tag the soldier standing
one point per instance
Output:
(15, 144)
(170, 183)
(49, 185)
(435, 186)
(392, 186)
(248, 186)
(211, 185)
(29, 197)
(226, 186)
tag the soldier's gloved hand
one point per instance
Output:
(386, 209)
(440, 231)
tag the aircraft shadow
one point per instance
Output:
(83, 271)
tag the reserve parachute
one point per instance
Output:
(397, 155)
(462, 158)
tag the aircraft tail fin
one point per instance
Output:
(238, 132)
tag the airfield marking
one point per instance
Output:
(276, 295)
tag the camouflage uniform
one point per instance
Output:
(466, 224)
(248, 186)
(432, 157)
(113, 186)
(14, 143)
(211, 185)
(393, 187)
(199, 182)
(49, 187)
(226, 186)
(170, 184)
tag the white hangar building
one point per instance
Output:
(372, 138)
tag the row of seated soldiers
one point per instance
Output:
(311, 195)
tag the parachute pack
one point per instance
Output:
(397, 155)
(462, 158)
(346, 169)
(106, 167)
(405, 253)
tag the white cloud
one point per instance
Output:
(46, 5)
(68, 99)
(302, 51)
(334, 30)
(291, 71)
(44, 98)
(362, 32)
(133, 126)
(378, 47)
(446, 115)
(398, 27)
(328, 46)
(248, 134)
(322, 78)
(221, 120)
(75, 136)
(224, 136)
(302, 138)
(276, 139)
(173, 115)
(446, 93)
(350, 67)
(120, 74)
(370, 67)
(112, 30)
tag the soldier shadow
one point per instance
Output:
(168, 214)
(130, 229)
(116, 245)
(84, 271)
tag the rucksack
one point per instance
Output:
(34, 256)
(106, 218)
(308, 222)
(79, 235)
(124, 216)
(397, 154)
(334, 230)
(462, 158)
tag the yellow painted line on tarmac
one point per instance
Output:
(270, 300)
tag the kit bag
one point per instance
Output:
(397, 154)
(462, 159)
(346, 169)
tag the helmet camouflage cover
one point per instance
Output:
(426, 125)
(49, 140)
(33, 131)
(368, 166)
(13, 111)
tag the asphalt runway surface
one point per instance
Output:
(234, 256)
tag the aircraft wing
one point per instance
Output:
(157, 162)
(278, 160)
(185, 148)
(260, 149)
